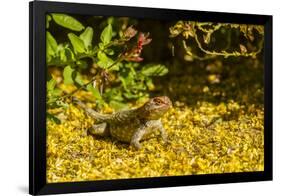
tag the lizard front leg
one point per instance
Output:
(137, 136)
(157, 125)
(163, 132)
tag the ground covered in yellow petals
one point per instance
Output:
(201, 141)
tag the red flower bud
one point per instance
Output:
(134, 54)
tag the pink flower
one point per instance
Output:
(129, 33)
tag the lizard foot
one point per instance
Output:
(137, 145)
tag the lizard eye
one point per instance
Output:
(157, 101)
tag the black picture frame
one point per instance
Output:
(37, 98)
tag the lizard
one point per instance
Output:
(132, 125)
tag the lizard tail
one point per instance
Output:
(91, 112)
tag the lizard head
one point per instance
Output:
(156, 107)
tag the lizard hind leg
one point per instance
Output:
(99, 129)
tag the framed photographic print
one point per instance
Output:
(128, 97)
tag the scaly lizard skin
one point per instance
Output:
(133, 125)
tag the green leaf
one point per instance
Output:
(82, 64)
(87, 37)
(113, 94)
(154, 70)
(48, 19)
(102, 56)
(51, 44)
(149, 84)
(61, 52)
(77, 43)
(110, 20)
(78, 79)
(68, 22)
(104, 61)
(48, 58)
(67, 75)
(130, 95)
(69, 54)
(65, 54)
(51, 84)
(106, 34)
(109, 51)
(57, 92)
(101, 45)
(72, 77)
(94, 91)
(53, 118)
(124, 82)
(115, 67)
(63, 57)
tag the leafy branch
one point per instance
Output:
(110, 69)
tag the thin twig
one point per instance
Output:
(224, 53)
(73, 92)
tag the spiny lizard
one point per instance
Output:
(132, 125)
